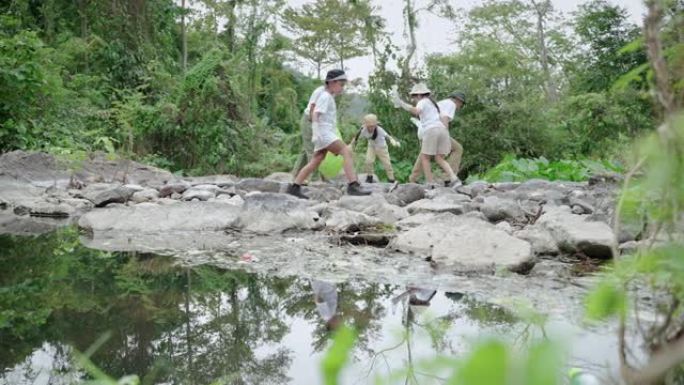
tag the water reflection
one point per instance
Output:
(202, 325)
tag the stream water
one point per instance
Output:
(150, 316)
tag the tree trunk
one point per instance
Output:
(184, 40)
(411, 23)
(550, 87)
(230, 28)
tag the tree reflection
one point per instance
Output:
(167, 324)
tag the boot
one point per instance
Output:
(455, 183)
(296, 190)
(369, 178)
(354, 188)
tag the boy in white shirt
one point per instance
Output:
(377, 146)
(324, 137)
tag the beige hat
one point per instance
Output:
(419, 89)
(370, 120)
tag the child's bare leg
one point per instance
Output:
(417, 169)
(425, 161)
(445, 166)
(310, 167)
(338, 147)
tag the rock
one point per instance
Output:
(169, 189)
(498, 209)
(200, 194)
(189, 216)
(406, 194)
(220, 180)
(267, 213)
(628, 248)
(577, 210)
(133, 187)
(323, 194)
(574, 233)
(541, 240)
(45, 209)
(551, 269)
(235, 200)
(343, 220)
(366, 239)
(146, 195)
(359, 203)
(23, 226)
(176, 196)
(119, 194)
(467, 244)
(281, 177)
(252, 184)
(417, 220)
(386, 213)
(506, 186)
(586, 207)
(474, 189)
(505, 226)
(436, 206)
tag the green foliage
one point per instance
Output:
(513, 169)
(338, 354)
(608, 299)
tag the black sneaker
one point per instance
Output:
(296, 190)
(354, 188)
(369, 178)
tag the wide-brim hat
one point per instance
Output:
(420, 89)
(370, 119)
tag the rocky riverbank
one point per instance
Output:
(408, 235)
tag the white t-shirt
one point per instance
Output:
(325, 106)
(447, 108)
(313, 98)
(379, 141)
(326, 298)
(429, 116)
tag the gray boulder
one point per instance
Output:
(198, 193)
(498, 209)
(386, 213)
(541, 240)
(253, 184)
(190, 216)
(273, 213)
(281, 177)
(119, 194)
(323, 194)
(169, 189)
(343, 220)
(575, 233)
(467, 244)
(146, 195)
(406, 194)
(437, 206)
(359, 203)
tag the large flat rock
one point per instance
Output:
(151, 218)
(576, 233)
(466, 243)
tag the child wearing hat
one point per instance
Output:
(435, 137)
(377, 146)
(447, 111)
(324, 137)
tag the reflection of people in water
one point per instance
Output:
(325, 295)
(418, 301)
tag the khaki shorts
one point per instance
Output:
(436, 141)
